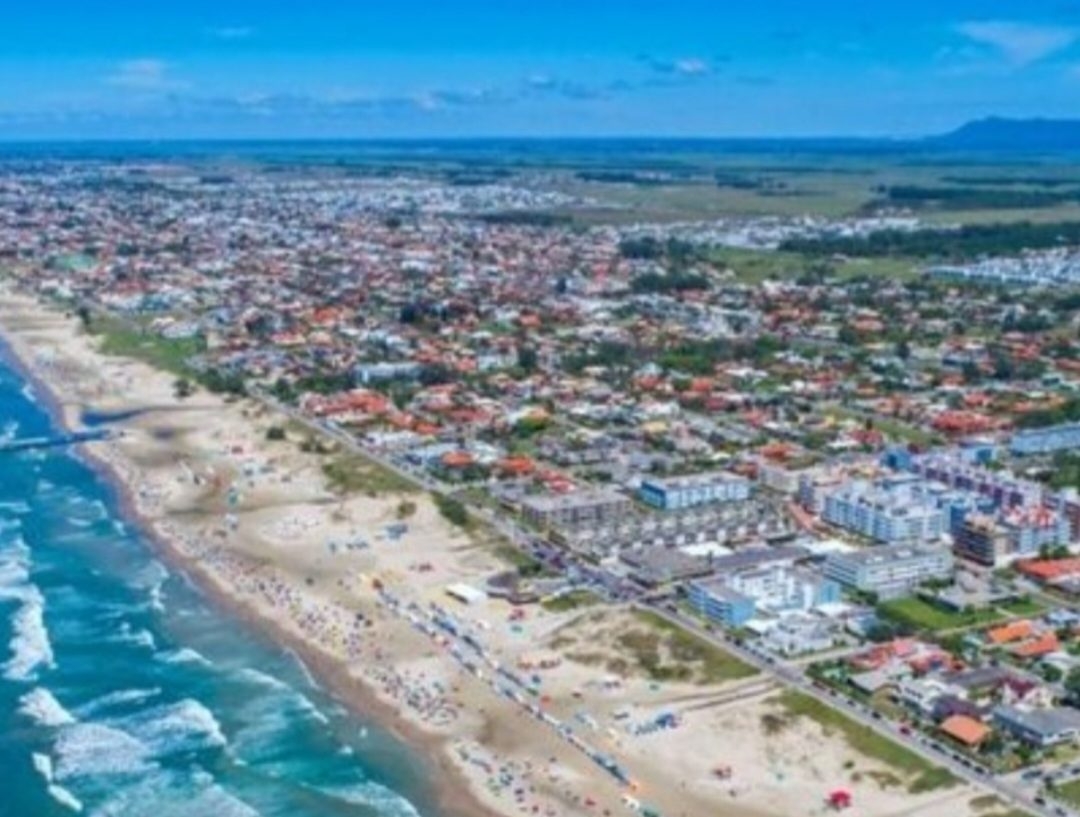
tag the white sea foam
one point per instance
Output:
(86, 510)
(305, 671)
(140, 638)
(30, 645)
(261, 678)
(180, 727)
(162, 790)
(14, 571)
(9, 431)
(118, 698)
(65, 798)
(41, 706)
(150, 579)
(93, 749)
(15, 506)
(268, 715)
(44, 766)
(378, 798)
(184, 655)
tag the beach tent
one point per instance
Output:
(840, 799)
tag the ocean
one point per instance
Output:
(125, 693)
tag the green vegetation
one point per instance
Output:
(657, 282)
(688, 657)
(922, 775)
(976, 198)
(966, 243)
(169, 354)
(353, 473)
(1067, 412)
(1069, 793)
(1024, 607)
(178, 356)
(526, 565)
(529, 218)
(574, 600)
(452, 510)
(1066, 471)
(919, 614)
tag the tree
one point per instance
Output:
(452, 510)
(527, 359)
(84, 315)
(1072, 684)
(182, 388)
(275, 433)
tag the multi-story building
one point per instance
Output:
(889, 571)
(578, 509)
(1031, 529)
(981, 539)
(1016, 533)
(778, 477)
(957, 472)
(732, 598)
(1049, 440)
(714, 600)
(781, 588)
(677, 493)
(890, 511)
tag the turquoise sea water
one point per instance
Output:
(123, 692)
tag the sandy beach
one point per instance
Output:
(355, 583)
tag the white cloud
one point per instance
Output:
(144, 75)
(691, 66)
(1020, 43)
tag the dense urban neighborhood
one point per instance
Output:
(862, 484)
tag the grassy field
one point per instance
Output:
(1069, 793)
(922, 615)
(575, 600)
(1024, 607)
(687, 656)
(921, 775)
(122, 340)
(353, 473)
(824, 185)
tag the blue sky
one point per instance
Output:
(453, 68)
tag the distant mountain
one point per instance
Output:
(996, 133)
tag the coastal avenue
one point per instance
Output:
(1012, 791)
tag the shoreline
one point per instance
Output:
(449, 786)
(252, 523)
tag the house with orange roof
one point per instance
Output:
(1010, 633)
(1049, 570)
(1037, 647)
(966, 730)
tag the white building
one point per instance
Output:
(889, 571)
